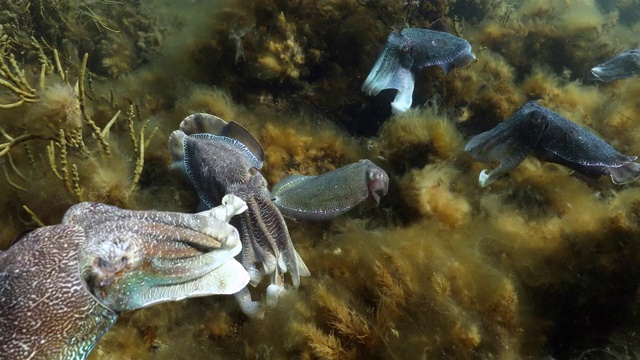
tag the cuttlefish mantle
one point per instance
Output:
(534, 129)
(409, 50)
(331, 194)
(621, 66)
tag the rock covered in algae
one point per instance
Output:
(410, 50)
(534, 129)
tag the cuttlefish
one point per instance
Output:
(534, 129)
(224, 158)
(330, 194)
(62, 286)
(621, 66)
(408, 51)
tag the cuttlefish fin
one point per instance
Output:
(286, 182)
(625, 173)
(239, 146)
(176, 150)
(240, 133)
(202, 123)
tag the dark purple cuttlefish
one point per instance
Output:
(224, 158)
(408, 51)
(534, 129)
(621, 66)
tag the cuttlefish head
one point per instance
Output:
(139, 261)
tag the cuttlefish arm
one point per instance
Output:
(62, 286)
(145, 258)
(266, 241)
(331, 194)
(392, 70)
(509, 143)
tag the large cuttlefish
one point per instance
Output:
(62, 286)
(224, 158)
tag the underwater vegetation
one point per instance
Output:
(541, 264)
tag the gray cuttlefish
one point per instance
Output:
(62, 286)
(621, 66)
(330, 194)
(224, 158)
(408, 51)
(534, 129)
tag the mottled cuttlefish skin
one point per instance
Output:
(62, 286)
(621, 66)
(408, 51)
(224, 158)
(534, 129)
(331, 194)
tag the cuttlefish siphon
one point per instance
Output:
(62, 286)
(330, 194)
(224, 158)
(534, 129)
(410, 50)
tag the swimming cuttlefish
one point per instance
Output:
(62, 286)
(331, 194)
(536, 130)
(622, 66)
(224, 158)
(408, 51)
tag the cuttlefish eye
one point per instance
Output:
(112, 266)
(108, 268)
(378, 182)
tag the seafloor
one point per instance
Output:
(542, 264)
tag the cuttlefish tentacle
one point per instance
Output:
(331, 194)
(63, 285)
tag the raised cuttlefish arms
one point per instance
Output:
(408, 51)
